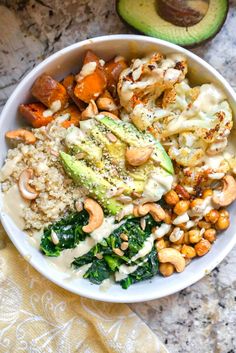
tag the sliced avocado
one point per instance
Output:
(77, 141)
(91, 152)
(116, 151)
(129, 134)
(94, 182)
(187, 23)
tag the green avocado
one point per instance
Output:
(183, 22)
(133, 137)
(116, 153)
(97, 186)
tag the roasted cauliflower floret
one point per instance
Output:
(209, 116)
(143, 83)
(189, 151)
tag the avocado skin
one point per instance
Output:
(129, 134)
(190, 45)
(96, 185)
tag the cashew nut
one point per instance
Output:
(172, 256)
(96, 215)
(109, 114)
(21, 135)
(155, 210)
(106, 102)
(90, 111)
(228, 193)
(26, 190)
(137, 156)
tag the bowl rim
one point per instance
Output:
(103, 296)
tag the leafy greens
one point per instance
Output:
(104, 261)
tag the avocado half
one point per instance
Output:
(184, 22)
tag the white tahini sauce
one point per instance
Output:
(203, 209)
(87, 69)
(125, 270)
(9, 167)
(14, 204)
(55, 106)
(67, 256)
(209, 97)
(156, 186)
(181, 219)
(74, 136)
(148, 244)
(162, 230)
(146, 249)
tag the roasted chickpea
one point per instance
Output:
(160, 244)
(186, 238)
(210, 235)
(182, 226)
(204, 224)
(194, 236)
(224, 213)
(222, 223)
(166, 269)
(202, 247)
(188, 251)
(167, 218)
(212, 216)
(196, 203)
(207, 193)
(176, 246)
(167, 243)
(171, 198)
(181, 207)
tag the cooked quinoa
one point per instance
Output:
(57, 193)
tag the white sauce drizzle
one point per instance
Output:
(203, 209)
(9, 167)
(148, 244)
(162, 230)
(125, 270)
(156, 186)
(67, 256)
(181, 219)
(55, 106)
(87, 69)
(14, 204)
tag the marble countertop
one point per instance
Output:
(199, 319)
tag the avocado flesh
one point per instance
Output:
(129, 134)
(94, 182)
(92, 152)
(116, 151)
(142, 15)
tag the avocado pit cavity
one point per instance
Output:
(183, 13)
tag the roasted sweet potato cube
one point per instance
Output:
(91, 86)
(74, 116)
(50, 92)
(69, 84)
(92, 81)
(113, 69)
(90, 56)
(33, 114)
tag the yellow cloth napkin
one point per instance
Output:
(37, 316)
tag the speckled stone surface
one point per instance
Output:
(202, 318)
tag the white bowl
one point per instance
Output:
(59, 65)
